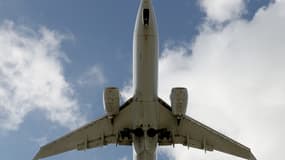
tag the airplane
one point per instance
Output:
(145, 121)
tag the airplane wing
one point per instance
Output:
(203, 137)
(95, 134)
(192, 133)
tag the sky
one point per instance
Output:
(56, 58)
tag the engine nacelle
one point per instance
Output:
(179, 100)
(111, 101)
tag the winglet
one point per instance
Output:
(252, 157)
(37, 156)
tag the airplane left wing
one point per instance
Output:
(95, 134)
(201, 136)
(192, 133)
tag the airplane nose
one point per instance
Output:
(146, 20)
(146, 9)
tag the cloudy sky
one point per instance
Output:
(56, 57)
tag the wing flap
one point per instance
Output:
(95, 134)
(192, 133)
(210, 139)
(88, 136)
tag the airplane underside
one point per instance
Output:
(145, 121)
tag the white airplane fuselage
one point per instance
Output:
(145, 53)
(145, 79)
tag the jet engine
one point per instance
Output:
(111, 101)
(179, 100)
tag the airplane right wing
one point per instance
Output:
(95, 134)
(203, 137)
(192, 133)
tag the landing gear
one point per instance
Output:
(151, 132)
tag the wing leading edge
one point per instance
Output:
(95, 134)
(210, 139)
(192, 133)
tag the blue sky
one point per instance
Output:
(57, 57)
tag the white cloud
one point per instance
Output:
(92, 77)
(235, 76)
(222, 10)
(32, 77)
